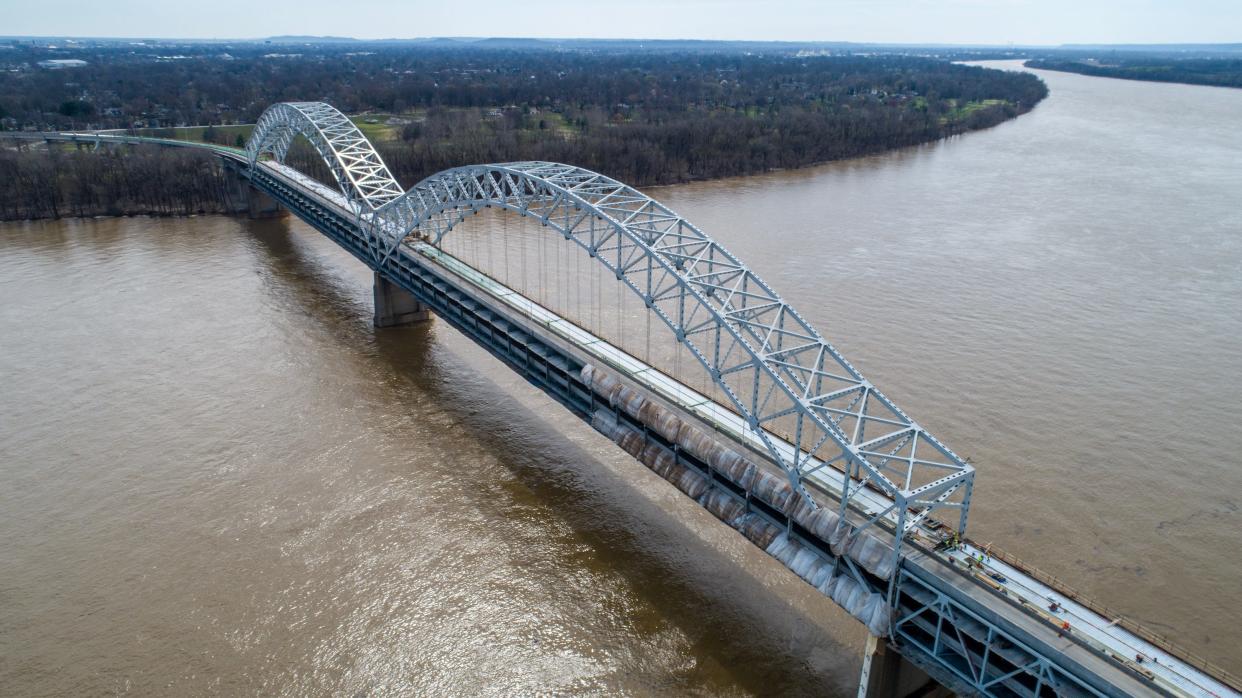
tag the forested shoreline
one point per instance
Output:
(147, 180)
(643, 118)
(1216, 72)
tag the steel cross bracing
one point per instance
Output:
(772, 365)
(985, 660)
(359, 171)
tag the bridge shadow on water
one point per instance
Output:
(752, 626)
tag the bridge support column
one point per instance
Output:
(395, 307)
(260, 205)
(243, 198)
(886, 674)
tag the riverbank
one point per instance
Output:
(1212, 72)
(53, 182)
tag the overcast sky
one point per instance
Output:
(902, 21)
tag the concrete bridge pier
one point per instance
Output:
(395, 307)
(260, 205)
(886, 674)
(244, 198)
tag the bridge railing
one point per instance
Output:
(121, 137)
(1164, 643)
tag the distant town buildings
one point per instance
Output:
(59, 63)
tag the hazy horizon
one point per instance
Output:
(918, 22)
(479, 38)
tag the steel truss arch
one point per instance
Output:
(359, 170)
(769, 361)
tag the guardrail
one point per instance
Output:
(119, 137)
(1207, 666)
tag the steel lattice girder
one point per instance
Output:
(979, 653)
(768, 360)
(359, 171)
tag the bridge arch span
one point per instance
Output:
(769, 361)
(359, 170)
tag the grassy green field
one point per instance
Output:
(376, 126)
(961, 111)
(557, 123)
(227, 135)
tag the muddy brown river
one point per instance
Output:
(218, 478)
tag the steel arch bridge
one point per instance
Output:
(359, 170)
(790, 393)
(761, 353)
(758, 350)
